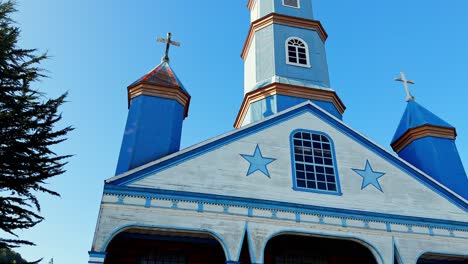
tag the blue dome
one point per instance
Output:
(415, 116)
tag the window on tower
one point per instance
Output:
(297, 52)
(291, 3)
(314, 166)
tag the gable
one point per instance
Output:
(218, 168)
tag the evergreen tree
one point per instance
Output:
(27, 133)
(8, 256)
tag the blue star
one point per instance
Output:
(258, 162)
(370, 177)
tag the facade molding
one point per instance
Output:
(173, 93)
(423, 131)
(282, 20)
(288, 90)
(210, 232)
(367, 219)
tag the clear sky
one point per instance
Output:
(99, 47)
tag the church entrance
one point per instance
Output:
(149, 246)
(296, 249)
(435, 258)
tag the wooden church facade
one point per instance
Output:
(292, 183)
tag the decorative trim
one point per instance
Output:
(288, 90)
(423, 131)
(274, 18)
(96, 257)
(369, 176)
(173, 93)
(376, 254)
(257, 162)
(251, 3)
(210, 232)
(296, 210)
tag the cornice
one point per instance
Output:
(174, 93)
(282, 20)
(250, 4)
(288, 90)
(421, 132)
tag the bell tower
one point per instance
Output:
(284, 61)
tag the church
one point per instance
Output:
(291, 183)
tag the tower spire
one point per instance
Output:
(168, 42)
(409, 96)
(158, 105)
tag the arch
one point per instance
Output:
(463, 256)
(376, 254)
(321, 164)
(297, 52)
(123, 228)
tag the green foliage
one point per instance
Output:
(27, 133)
(8, 256)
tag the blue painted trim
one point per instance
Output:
(396, 252)
(255, 160)
(344, 222)
(306, 108)
(293, 163)
(367, 172)
(284, 206)
(251, 246)
(94, 254)
(361, 241)
(242, 242)
(464, 255)
(120, 229)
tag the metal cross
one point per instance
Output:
(168, 42)
(405, 82)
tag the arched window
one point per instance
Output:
(297, 52)
(292, 3)
(313, 161)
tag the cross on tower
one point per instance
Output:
(405, 82)
(168, 42)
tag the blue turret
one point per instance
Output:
(158, 104)
(285, 61)
(428, 142)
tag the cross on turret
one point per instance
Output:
(405, 82)
(168, 42)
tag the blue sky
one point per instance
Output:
(98, 48)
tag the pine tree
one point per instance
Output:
(27, 132)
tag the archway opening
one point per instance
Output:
(433, 258)
(297, 249)
(151, 246)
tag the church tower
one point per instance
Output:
(284, 61)
(158, 104)
(428, 142)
